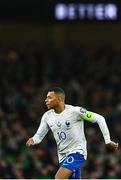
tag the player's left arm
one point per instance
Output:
(100, 120)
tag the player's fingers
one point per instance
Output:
(28, 143)
(116, 146)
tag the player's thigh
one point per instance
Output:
(63, 173)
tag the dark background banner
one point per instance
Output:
(44, 11)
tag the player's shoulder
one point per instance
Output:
(47, 113)
(69, 107)
(46, 116)
(75, 108)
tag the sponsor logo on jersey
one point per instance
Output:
(58, 124)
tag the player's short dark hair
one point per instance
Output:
(57, 90)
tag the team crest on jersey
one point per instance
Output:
(82, 110)
(68, 124)
(58, 124)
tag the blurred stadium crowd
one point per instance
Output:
(91, 79)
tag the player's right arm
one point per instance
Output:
(41, 132)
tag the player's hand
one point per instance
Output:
(30, 142)
(112, 145)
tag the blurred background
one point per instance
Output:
(58, 43)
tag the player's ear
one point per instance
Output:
(61, 97)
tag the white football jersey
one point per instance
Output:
(68, 129)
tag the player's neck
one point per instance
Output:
(60, 108)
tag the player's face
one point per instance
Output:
(52, 100)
